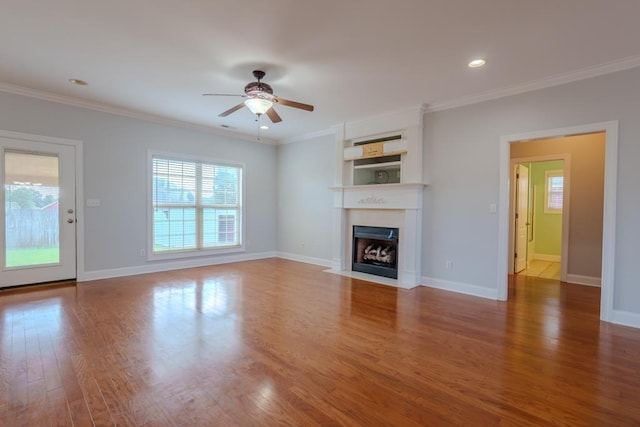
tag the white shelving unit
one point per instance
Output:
(377, 161)
(385, 165)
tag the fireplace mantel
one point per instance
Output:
(382, 196)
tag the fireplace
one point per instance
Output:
(375, 251)
(364, 150)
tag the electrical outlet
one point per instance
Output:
(449, 265)
(143, 252)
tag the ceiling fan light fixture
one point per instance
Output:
(258, 105)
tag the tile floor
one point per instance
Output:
(544, 269)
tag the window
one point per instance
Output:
(196, 205)
(553, 191)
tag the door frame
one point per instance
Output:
(515, 201)
(77, 145)
(610, 130)
(566, 206)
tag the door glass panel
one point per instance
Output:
(32, 226)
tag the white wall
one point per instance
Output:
(305, 201)
(462, 162)
(115, 171)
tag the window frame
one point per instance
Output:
(196, 252)
(548, 174)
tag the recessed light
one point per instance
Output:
(477, 63)
(265, 127)
(78, 82)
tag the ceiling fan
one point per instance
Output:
(260, 99)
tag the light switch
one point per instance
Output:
(493, 208)
(93, 203)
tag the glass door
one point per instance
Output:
(39, 222)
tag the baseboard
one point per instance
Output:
(156, 267)
(462, 288)
(306, 259)
(546, 257)
(584, 280)
(626, 318)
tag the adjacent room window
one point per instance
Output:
(197, 206)
(553, 191)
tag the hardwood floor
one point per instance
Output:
(275, 342)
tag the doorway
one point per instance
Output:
(606, 264)
(540, 213)
(38, 228)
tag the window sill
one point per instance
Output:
(194, 253)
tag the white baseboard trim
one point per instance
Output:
(584, 280)
(626, 318)
(546, 257)
(462, 288)
(156, 267)
(306, 259)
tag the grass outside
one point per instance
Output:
(32, 256)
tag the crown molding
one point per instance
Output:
(103, 108)
(556, 80)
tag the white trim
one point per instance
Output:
(547, 257)
(77, 145)
(558, 79)
(625, 318)
(173, 265)
(306, 259)
(118, 111)
(584, 280)
(609, 216)
(461, 288)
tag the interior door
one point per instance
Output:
(522, 211)
(38, 229)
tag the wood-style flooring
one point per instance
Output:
(275, 342)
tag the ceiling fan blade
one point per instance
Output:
(294, 104)
(231, 110)
(275, 118)
(221, 94)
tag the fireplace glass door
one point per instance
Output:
(375, 251)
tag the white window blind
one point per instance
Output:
(553, 191)
(196, 205)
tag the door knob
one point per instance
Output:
(70, 221)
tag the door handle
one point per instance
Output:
(71, 221)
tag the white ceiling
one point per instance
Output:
(351, 59)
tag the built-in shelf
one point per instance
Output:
(376, 149)
(381, 166)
